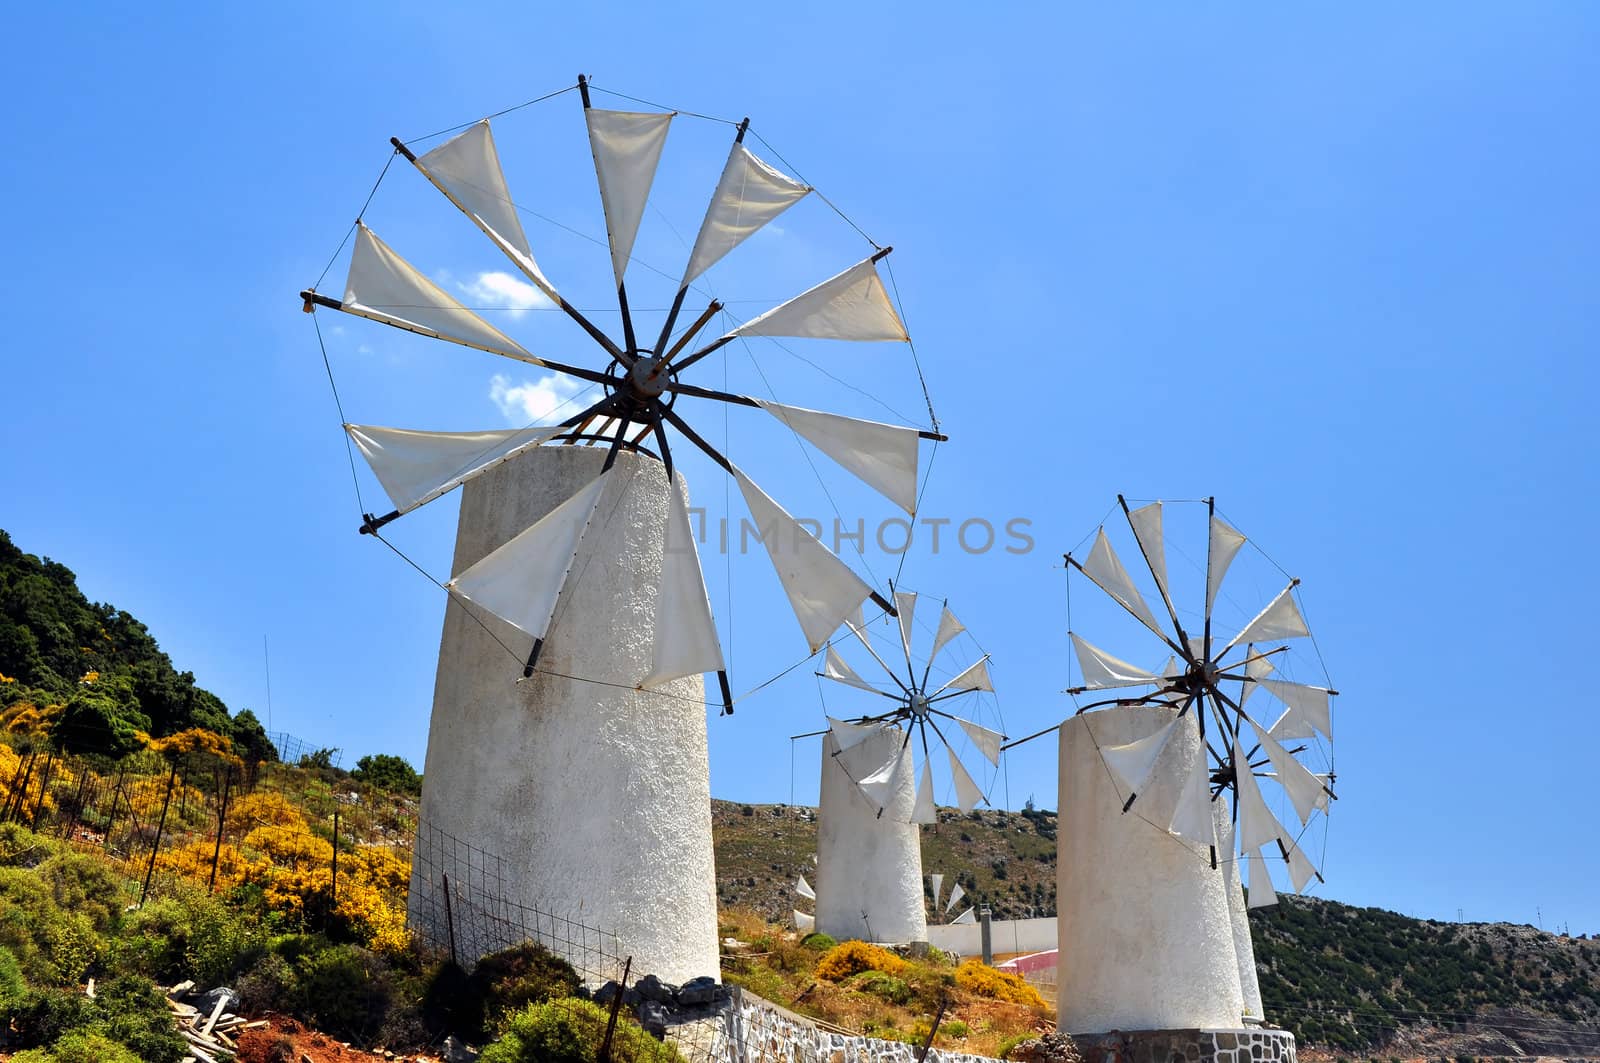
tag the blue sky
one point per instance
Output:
(1336, 269)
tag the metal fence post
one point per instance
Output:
(336, 857)
(156, 847)
(44, 788)
(222, 823)
(927, 1046)
(604, 1055)
(450, 920)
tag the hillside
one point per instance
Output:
(1345, 978)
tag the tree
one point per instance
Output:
(388, 772)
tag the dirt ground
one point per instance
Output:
(287, 1041)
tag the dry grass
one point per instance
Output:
(897, 1004)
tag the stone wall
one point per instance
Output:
(1187, 1046)
(753, 1030)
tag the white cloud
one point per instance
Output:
(533, 401)
(502, 291)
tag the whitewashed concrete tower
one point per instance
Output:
(869, 867)
(596, 797)
(1146, 932)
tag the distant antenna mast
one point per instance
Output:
(267, 660)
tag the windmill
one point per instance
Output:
(1186, 746)
(575, 554)
(870, 811)
(957, 892)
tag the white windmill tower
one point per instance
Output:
(1161, 798)
(575, 566)
(873, 798)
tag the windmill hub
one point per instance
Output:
(919, 704)
(642, 383)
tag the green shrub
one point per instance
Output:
(266, 984)
(49, 1014)
(80, 1046)
(510, 980)
(55, 947)
(885, 986)
(13, 987)
(20, 847)
(570, 1030)
(134, 1012)
(343, 990)
(188, 934)
(818, 942)
(86, 885)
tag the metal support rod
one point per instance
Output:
(19, 785)
(727, 693)
(628, 339)
(533, 658)
(680, 388)
(336, 857)
(156, 846)
(222, 826)
(1181, 651)
(44, 788)
(111, 820)
(933, 1031)
(450, 920)
(604, 1055)
(672, 317)
(683, 341)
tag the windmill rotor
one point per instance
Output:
(1225, 690)
(919, 709)
(640, 374)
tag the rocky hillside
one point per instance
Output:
(1351, 980)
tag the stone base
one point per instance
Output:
(1260, 1045)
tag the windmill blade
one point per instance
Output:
(382, 286)
(1191, 819)
(879, 786)
(852, 305)
(1221, 546)
(1261, 892)
(1306, 792)
(924, 810)
(949, 628)
(804, 923)
(858, 628)
(686, 641)
(968, 795)
(987, 741)
(835, 668)
(749, 195)
(1102, 671)
(1130, 764)
(964, 917)
(1310, 706)
(1301, 870)
(905, 604)
(521, 581)
(1256, 668)
(821, 589)
(883, 456)
(938, 883)
(975, 677)
(1146, 524)
(1280, 620)
(467, 170)
(417, 467)
(956, 893)
(1105, 569)
(1257, 825)
(803, 888)
(850, 735)
(1169, 672)
(626, 146)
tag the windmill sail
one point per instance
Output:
(976, 677)
(1281, 619)
(883, 456)
(803, 922)
(849, 735)
(987, 741)
(521, 581)
(749, 195)
(1257, 825)
(1256, 668)
(1309, 709)
(1221, 547)
(1102, 671)
(956, 893)
(803, 888)
(1146, 523)
(1306, 791)
(821, 589)
(417, 467)
(1105, 568)
(382, 286)
(924, 811)
(852, 305)
(964, 917)
(879, 786)
(949, 628)
(967, 793)
(1301, 871)
(467, 170)
(1191, 818)
(905, 604)
(627, 147)
(835, 668)
(1261, 892)
(1130, 764)
(686, 640)
(938, 884)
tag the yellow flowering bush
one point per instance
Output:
(853, 957)
(89, 678)
(975, 976)
(264, 808)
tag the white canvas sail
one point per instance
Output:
(803, 888)
(852, 305)
(1311, 706)
(949, 628)
(879, 785)
(417, 467)
(1102, 671)
(627, 148)
(987, 741)
(834, 667)
(1301, 871)
(1221, 546)
(849, 735)
(938, 884)
(1261, 892)
(804, 923)
(1146, 522)
(1131, 763)
(382, 286)
(967, 793)
(686, 640)
(1257, 825)
(467, 170)
(905, 606)
(965, 917)
(1256, 668)
(821, 589)
(883, 456)
(1105, 568)
(956, 893)
(924, 811)
(1191, 819)
(749, 195)
(1305, 790)
(975, 677)
(1281, 619)
(521, 581)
